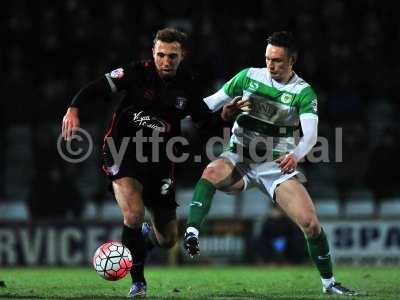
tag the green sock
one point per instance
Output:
(201, 203)
(318, 248)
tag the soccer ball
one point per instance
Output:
(112, 261)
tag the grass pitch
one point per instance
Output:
(211, 282)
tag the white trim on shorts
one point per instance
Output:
(250, 182)
(246, 180)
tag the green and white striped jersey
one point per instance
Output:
(275, 113)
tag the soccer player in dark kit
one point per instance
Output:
(159, 93)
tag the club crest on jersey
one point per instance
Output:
(286, 98)
(148, 94)
(117, 73)
(181, 103)
(314, 105)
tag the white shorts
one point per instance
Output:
(266, 175)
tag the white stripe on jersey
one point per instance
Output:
(294, 86)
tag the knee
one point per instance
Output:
(214, 172)
(310, 225)
(211, 174)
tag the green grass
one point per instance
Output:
(198, 283)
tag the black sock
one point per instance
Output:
(133, 239)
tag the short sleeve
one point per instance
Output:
(308, 102)
(236, 85)
(119, 79)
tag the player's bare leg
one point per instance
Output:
(294, 199)
(128, 192)
(220, 174)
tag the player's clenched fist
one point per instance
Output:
(287, 163)
(231, 109)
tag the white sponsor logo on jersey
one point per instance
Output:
(253, 86)
(149, 122)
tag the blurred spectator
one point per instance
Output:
(383, 166)
(350, 174)
(280, 240)
(51, 46)
(344, 103)
(54, 195)
(2, 152)
(381, 115)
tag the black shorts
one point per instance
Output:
(157, 180)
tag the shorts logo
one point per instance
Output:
(117, 73)
(166, 186)
(286, 98)
(181, 103)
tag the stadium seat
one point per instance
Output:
(183, 198)
(361, 194)
(223, 206)
(110, 211)
(14, 211)
(19, 159)
(89, 177)
(255, 204)
(390, 208)
(327, 208)
(89, 211)
(359, 208)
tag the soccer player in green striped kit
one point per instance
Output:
(268, 105)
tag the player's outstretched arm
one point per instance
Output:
(95, 90)
(70, 122)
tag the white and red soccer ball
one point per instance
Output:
(112, 261)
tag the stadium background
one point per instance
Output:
(56, 213)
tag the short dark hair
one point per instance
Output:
(170, 35)
(286, 40)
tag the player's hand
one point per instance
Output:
(232, 108)
(287, 163)
(70, 122)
